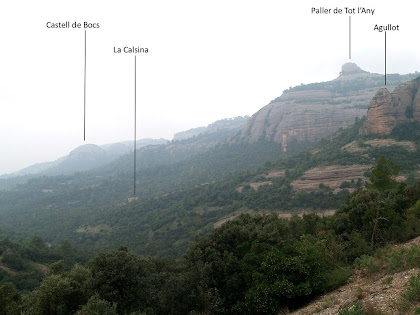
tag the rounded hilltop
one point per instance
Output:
(350, 68)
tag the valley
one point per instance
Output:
(277, 207)
(176, 177)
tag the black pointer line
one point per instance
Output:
(385, 57)
(135, 119)
(84, 98)
(349, 37)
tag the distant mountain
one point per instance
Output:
(34, 169)
(200, 150)
(116, 158)
(84, 157)
(308, 112)
(224, 124)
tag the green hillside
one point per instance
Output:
(259, 264)
(55, 207)
(178, 200)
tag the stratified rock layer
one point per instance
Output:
(386, 109)
(307, 113)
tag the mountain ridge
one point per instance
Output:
(91, 156)
(306, 113)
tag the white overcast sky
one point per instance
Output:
(207, 60)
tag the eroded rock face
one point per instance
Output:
(307, 113)
(387, 109)
(380, 117)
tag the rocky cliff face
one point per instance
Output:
(387, 109)
(307, 113)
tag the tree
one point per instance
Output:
(382, 179)
(56, 295)
(57, 267)
(377, 210)
(120, 277)
(97, 306)
(383, 175)
(10, 300)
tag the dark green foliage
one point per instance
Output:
(383, 174)
(404, 258)
(356, 246)
(389, 260)
(28, 262)
(286, 277)
(13, 261)
(412, 295)
(57, 268)
(337, 278)
(10, 300)
(261, 264)
(56, 295)
(379, 211)
(97, 306)
(413, 220)
(407, 131)
(120, 277)
(256, 264)
(361, 214)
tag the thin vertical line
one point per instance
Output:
(349, 37)
(385, 57)
(135, 119)
(84, 98)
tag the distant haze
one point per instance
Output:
(207, 60)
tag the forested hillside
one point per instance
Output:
(259, 264)
(175, 201)
(246, 227)
(57, 207)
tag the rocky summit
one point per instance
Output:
(306, 113)
(387, 109)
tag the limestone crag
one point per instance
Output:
(387, 109)
(307, 113)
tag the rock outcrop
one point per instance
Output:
(307, 113)
(350, 68)
(387, 109)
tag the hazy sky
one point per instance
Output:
(207, 60)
